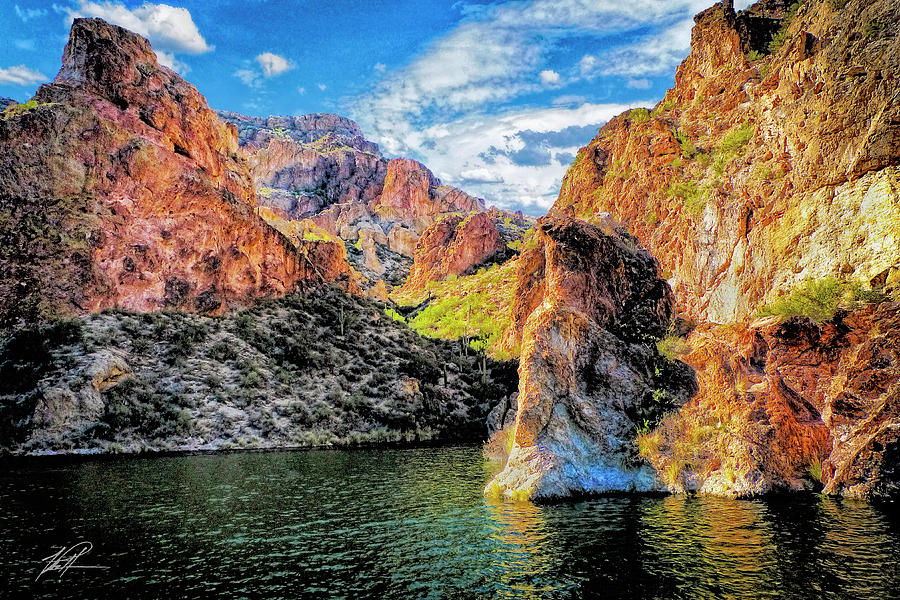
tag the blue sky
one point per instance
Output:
(494, 96)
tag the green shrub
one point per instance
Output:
(873, 28)
(673, 347)
(688, 150)
(755, 55)
(735, 140)
(819, 299)
(639, 116)
(663, 107)
(693, 195)
(781, 35)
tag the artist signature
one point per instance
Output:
(65, 559)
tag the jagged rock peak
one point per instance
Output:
(303, 129)
(101, 57)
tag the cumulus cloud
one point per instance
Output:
(452, 105)
(248, 76)
(21, 75)
(549, 77)
(168, 28)
(273, 64)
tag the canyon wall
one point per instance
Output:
(766, 182)
(120, 188)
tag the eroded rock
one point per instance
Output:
(589, 366)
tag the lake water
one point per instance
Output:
(413, 524)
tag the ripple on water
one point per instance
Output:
(414, 524)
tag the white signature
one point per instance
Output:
(65, 559)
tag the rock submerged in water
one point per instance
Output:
(590, 373)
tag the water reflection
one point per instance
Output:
(525, 556)
(414, 524)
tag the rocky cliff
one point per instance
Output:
(791, 405)
(591, 307)
(120, 188)
(456, 245)
(766, 182)
(760, 170)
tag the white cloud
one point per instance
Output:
(21, 75)
(587, 64)
(321, 86)
(639, 84)
(27, 14)
(549, 77)
(301, 90)
(248, 76)
(168, 60)
(667, 49)
(476, 152)
(380, 67)
(273, 64)
(167, 27)
(24, 44)
(455, 100)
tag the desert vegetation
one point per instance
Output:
(279, 374)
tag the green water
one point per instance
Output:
(413, 524)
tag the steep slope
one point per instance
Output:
(759, 171)
(320, 368)
(767, 182)
(120, 188)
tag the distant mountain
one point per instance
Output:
(320, 168)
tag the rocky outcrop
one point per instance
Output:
(320, 167)
(789, 405)
(772, 162)
(120, 188)
(454, 246)
(5, 102)
(589, 373)
(753, 175)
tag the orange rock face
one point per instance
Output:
(453, 246)
(750, 177)
(589, 366)
(122, 189)
(789, 405)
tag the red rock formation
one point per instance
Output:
(789, 405)
(728, 210)
(453, 246)
(121, 188)
(747, 179)
(589, 366)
